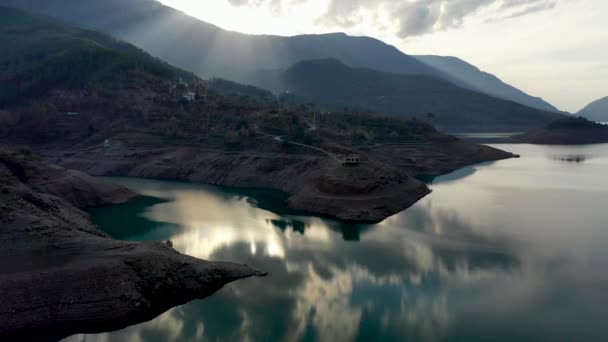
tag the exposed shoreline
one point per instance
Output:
(60, 275)
(378, 188)
(87, 282)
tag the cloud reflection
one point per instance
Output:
(392, 282)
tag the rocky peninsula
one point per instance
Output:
(382, 184)
(60, 275)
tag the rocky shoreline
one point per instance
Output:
(383, 184)
(369, 192)
(60, 275)
(87, 282)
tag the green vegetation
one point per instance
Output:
(24, 151)
(230, 88)
(68, 84)
(574, 123)
(333, 83)
(40, 54)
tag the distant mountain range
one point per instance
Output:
(333, 83)
(42, 54)
(483, 81)
(596, 110)
(61, 85)
(75, 91)
(212, 52)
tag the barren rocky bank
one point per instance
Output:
(60, 275)
(383, 183)
(321, 185)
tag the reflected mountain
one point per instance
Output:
(571, 158)
(295, 225)
(450, 177)
(511, 251)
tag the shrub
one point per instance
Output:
(232, 139)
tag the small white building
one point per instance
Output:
(189, 96)
(351, 160)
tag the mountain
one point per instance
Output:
(212, 52)
(102, 106)
(41, 53)
(596, 110)
(484, 82)
(331, 82)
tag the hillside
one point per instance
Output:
(453, 108)
(484, 82)
(126, 113)
(212, 52)
(596, 110)
(40, 54)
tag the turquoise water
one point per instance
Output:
(507, 251)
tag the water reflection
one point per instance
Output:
(571, 158)
(452, 177)
(512, 251)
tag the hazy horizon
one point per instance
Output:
(547, 48)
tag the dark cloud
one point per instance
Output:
(424, 16)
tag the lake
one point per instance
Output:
(508, 251)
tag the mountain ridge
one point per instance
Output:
(596, 110)
(210, 51)
(332, 82)
(105, 112)
(198, 35)
(482, 81)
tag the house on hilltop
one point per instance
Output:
(352, 160)
(189, 96)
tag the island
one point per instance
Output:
(567, 131)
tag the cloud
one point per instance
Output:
(276, 6)
(409, 17)
(538, 6)
(413, 18)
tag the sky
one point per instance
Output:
(554, 49)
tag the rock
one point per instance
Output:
(36, 279)
(380, 187)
